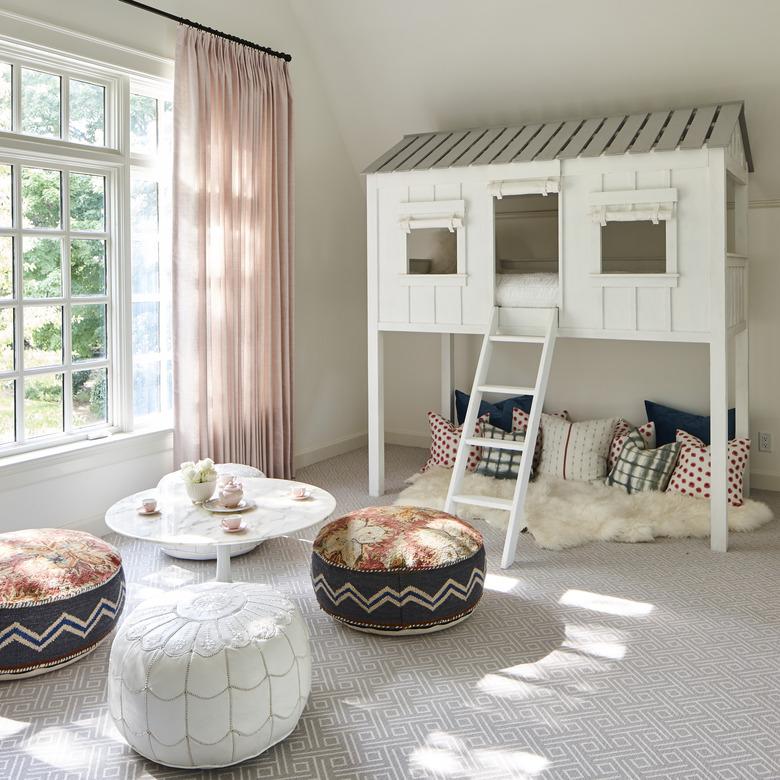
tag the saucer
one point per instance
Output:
(242, 527)
(142, 511)
(213, 505)
(304, 497)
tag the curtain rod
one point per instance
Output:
(190, 23)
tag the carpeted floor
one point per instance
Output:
(655, 660)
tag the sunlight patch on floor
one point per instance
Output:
(9, 727)
(500, 583)
(595, 640)
(598, 602)
(445, 755)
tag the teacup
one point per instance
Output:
(298, 491)
(232, 522)
(149, 504)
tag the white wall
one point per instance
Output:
(330, 398)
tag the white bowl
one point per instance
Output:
(200, 491)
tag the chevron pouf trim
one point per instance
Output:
(398, 570)
(60, 596)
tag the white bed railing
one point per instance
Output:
(736, 290)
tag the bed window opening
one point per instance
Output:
(432, 250)
(634, 247)
(526, 233)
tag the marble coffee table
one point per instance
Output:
(179, 521)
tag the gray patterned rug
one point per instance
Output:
(607, 661)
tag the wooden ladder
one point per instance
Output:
(526, 447)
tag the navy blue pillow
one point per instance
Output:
(667, 420)
(500, 413)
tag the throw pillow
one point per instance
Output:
(667, 420)
(639, 468)
(621, 434)
(500, 412)
(501, 464)
(445, 438)
(693, 474)
(576, 450)
(520, 424)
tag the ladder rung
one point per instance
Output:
(507, 390)
(519, 339)
(497, 444)
(486, 501)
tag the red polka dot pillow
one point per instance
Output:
(445, 438)
(520, 425)
(647, 431)
(692, 474)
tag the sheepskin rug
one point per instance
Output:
(562, 514)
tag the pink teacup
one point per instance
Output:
(298, 491)
(149, 504)
(231, 522)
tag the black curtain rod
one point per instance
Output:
(189, 23)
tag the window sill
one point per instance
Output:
(16, 471)
(433, 280)
(635, 280)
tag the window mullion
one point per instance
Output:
(65, 107)
(16, 99)
(16, 210)
(67, 347)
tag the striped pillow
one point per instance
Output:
(575, 450)
(638, 469)
(501, 464)
(621, 434)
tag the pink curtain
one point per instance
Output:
(232, 254)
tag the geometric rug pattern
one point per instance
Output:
(657, 660)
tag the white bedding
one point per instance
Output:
(534, 290)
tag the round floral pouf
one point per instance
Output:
(209, 675)
(61, 593)
(398, 569)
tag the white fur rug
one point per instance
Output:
(563, 514)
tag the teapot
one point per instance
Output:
(231, 493)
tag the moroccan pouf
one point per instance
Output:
(209, 675)
(398, 569)
(61, 593)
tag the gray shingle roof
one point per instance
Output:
(682, 128)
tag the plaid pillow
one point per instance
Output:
(638, 469)
(501, 464)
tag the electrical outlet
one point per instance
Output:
(764, 442)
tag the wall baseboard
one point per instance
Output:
(340, 447)
(765, 481)
(408, 439)
(92, 525)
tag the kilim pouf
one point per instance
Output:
(61, 593)
(398, 569)
(209, 675)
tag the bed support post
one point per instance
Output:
(719, 532)
(448, 376)
(742, 338)
(376, 413)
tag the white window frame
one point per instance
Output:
(115, 161)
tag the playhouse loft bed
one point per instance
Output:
(622, 227)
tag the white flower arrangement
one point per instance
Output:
(196, 473)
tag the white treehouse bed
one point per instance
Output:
(623, 227)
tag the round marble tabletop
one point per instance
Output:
(179, 521)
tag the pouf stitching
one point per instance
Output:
(402, 626)
(400, 569)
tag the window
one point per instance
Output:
(434, 242)
(69, 172)
(526, 233)
(636, 247)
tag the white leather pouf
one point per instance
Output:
(209, 675)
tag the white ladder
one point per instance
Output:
(468, 439)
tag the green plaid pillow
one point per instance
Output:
(638, 469)
(501, 464)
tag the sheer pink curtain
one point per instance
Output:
(232, 254)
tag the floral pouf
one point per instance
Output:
(398, 570)
(61, 593)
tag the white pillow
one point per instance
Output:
(576, 450)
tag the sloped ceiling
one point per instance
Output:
(398, 66)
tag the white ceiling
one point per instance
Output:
(397, 66)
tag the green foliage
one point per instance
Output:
(40, 103)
